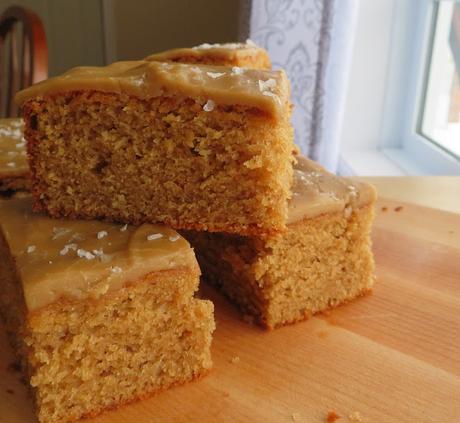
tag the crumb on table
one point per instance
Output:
(398, 209)
(332, 416)
(384, 208)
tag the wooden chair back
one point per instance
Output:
(23, 55)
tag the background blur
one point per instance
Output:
(375, 83)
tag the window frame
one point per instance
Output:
(396, 147)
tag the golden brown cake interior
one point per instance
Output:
(86, 353)
(186, 162)
(322, 260)
(246, 55)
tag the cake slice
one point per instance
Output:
(14, 170)
(193, 147)
(99, 314)
(245, 55)
(323, 259)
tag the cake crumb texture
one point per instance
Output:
(161, 159)
(84, 357)
(317, 264)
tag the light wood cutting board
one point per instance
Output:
(393, 356)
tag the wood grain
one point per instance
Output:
(393, 356)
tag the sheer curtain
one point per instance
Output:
(311, 40)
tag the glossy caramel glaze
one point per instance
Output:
(262, 89)
(317, 191)
(78, 259)
(227, 52)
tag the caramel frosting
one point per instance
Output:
(316, 191)
(79, 259)
(228, 51)
(263, 89)
(13, 159)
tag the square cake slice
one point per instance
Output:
(14, 170)
(192, 147)
(323, 259)
(245, 55)
(99, 314)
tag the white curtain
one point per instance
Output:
(311, 40)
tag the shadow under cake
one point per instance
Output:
(99, 314)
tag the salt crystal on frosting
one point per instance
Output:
(116, 269)
(31, 249)
(85, 254)
(237, 70)
(215, 75)
(209, 106)
(154, 236)
(102, 234)
(123, 228)
(174, 238)
(204, 46)
(67, 248)
(269, 84)
(11, 164)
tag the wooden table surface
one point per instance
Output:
(392, 356)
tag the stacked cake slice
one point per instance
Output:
(99, 314)
(101, 310)
(193, 147)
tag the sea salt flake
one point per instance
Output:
(102, 234)
(251, 43)
(58, 232)
(11, 164)
(85, 254)
(152, 237)
(269, 84)
(67, 248)
(203, 46)
(116, 269)
(31, 249)
(209, 106)
(215, 75)
(174, 238)
(237, 71)
(123, 228)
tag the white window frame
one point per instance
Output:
(385, 90)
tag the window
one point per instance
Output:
(440, 120)
(402, 107)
